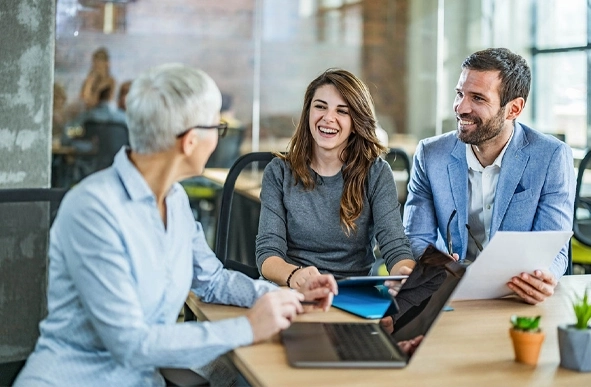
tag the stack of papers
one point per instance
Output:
(509, 253)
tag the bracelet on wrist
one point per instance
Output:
(291, 275)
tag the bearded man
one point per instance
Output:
(492, 173)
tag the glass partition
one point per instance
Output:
(263, 54)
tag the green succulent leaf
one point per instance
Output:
(524, 323)
(582, 309)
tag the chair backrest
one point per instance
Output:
(51, 196)
(582, 214)
(569, 264)
(25, 218)
(109, 137)
(228, 149)
(400, 164)
(257, 160)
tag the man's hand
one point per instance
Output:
(299, 278)
(533, 288)
(320, 288)
(410, 346)
(273, 312)
(387, 324)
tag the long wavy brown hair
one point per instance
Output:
(362, 148)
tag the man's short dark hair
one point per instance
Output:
(515, 74)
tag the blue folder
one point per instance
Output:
(369, 301)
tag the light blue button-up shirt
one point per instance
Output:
(117, 280)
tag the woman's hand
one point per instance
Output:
(403, 267)
(299, 278)
(320, 290)
(273, 312)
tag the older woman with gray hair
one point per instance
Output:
(125, 251)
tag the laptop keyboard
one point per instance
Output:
(354, 342)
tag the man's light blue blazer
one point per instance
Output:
(535, 191)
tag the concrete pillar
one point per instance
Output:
(26, 85)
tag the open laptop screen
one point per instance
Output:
(366, 345)
(425, 293)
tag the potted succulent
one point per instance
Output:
(574, 340)
(527, 337)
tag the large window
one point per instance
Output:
(561, 51)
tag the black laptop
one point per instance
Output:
(419, 302)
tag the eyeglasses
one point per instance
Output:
(222, 129)
(449, 242)
(478, 244)
(450, 247)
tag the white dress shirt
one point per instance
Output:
(482, 186)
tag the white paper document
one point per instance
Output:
(508, 254)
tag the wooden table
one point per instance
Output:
(249, 182)
(279, 144)
(469, 346)
(67, 150)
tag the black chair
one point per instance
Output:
(257, 161)
(582, 217)
(204, 194)
(26, 215)
(51, 196)
(110, 137)
(238, 255)
(106, 138)
(400, 164)
(569, 264)
(228, 149)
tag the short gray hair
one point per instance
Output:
(165, 101)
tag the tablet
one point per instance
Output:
(368, 280)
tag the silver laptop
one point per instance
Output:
(366, 345)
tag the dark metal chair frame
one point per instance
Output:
(579, 234)
(224, 217)
(223, 224)
(53, 196)
(398, 153)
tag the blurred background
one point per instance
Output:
(263, 53)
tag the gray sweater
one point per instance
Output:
(304, 227)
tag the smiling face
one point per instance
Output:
(329, 120)
(477, 105)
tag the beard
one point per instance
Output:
(484, 131)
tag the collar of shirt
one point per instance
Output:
(475, 165)
(134, 183)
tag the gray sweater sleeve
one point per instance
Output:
(385, 208)
(272, 239)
